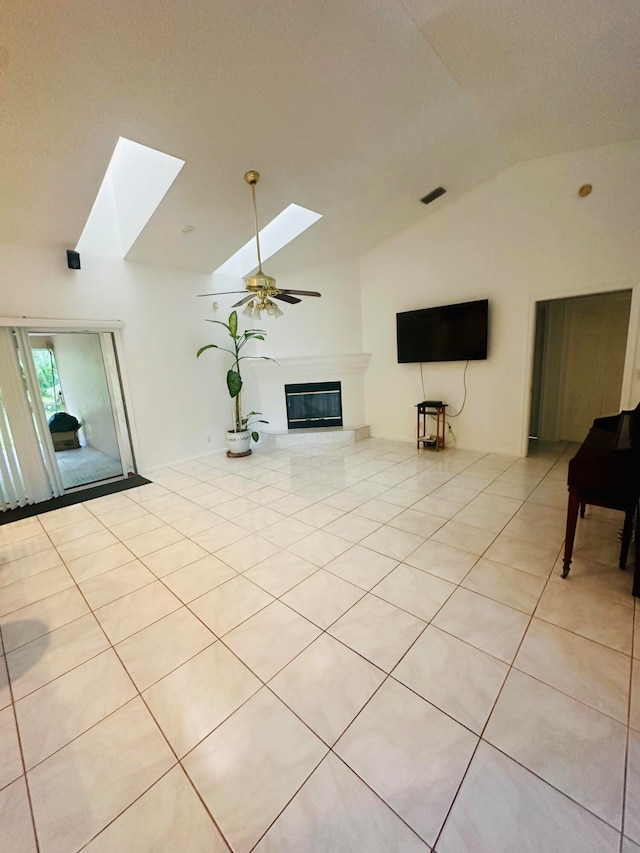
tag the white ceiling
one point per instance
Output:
(352, 108)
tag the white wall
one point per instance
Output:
(523, 236)
(175, 402)
(84, 386)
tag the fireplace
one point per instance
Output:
(314, 404)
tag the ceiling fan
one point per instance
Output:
(262, 288)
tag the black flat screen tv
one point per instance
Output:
(447, 333)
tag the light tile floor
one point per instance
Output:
(361, 648)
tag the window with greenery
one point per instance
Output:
(49, 381)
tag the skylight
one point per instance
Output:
(286, 226)
(136, 181)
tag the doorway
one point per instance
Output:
(63, 419)
(578, 363)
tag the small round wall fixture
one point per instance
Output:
(585, 190)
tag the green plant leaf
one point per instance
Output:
(208, 346)
(255, 436)
(233, 323)
(257, 358)
(217, 322)
(234, 382)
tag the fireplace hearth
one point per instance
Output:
(313, 405)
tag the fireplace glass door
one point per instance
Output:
(314, 404)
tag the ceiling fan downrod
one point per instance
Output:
(262, 288)
(252, 177)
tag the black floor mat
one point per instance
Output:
(72, 498)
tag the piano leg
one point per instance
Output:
(572, 520)
(626, 537)
(636, 572)
(582, 508)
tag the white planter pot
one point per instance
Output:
(239, 443)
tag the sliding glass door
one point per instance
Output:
(28, 469)
(63, 420)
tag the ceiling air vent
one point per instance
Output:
(433, 195)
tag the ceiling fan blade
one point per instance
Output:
(302, 292)
(224, 293)
(284, 297)
(242, 301)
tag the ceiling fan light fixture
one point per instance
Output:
(256, 306)
(272, 309)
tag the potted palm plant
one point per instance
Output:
(240, 435)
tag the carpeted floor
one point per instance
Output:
(86, 465)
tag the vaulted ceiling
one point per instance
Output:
(353, 108)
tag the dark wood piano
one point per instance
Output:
(606, 472)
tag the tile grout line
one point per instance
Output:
(22, 759)
(480, 737)
(483, 729)
(159, 728)
(628, 732)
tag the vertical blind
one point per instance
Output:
(28, 469)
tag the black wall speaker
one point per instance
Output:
(433, 195)
(73, 259)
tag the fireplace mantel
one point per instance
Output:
(312, 365)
